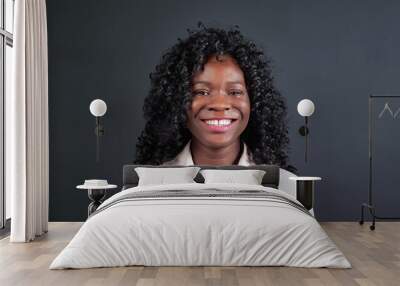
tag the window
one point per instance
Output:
(6, 62)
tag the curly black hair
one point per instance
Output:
(165, 132)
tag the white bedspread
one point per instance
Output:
(181, 231)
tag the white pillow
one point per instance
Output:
(249, 177)
(161, 176)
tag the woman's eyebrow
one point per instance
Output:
(235, 82)
(209, 83)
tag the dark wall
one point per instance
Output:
(333, 52)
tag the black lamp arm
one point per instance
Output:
(99, 131)
(304, 131)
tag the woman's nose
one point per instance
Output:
(219, 102)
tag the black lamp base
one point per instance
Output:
(96, 197)
(303, 130)
(305, 193)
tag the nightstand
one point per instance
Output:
(96, 193)
(305, 190)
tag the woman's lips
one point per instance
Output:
(218, 125)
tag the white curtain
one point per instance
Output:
(27, 140)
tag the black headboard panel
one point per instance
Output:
(271, 178)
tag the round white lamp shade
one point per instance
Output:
(98, 107)
(305, 107)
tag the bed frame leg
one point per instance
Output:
(362, 215)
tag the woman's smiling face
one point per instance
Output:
(220, 108)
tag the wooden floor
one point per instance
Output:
(375, 257)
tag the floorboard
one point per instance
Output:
(374, 255)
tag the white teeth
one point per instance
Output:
(222, 122)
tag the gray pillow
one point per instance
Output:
(248, 177)
(161, 176)
(130, 178)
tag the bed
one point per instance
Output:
(201, 224)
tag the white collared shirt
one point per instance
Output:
(184, 158)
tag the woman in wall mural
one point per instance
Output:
(213, 102)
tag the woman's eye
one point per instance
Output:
(200, 92)
(236, 92)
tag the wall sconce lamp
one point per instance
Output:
(305, 108)
(98, 108)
